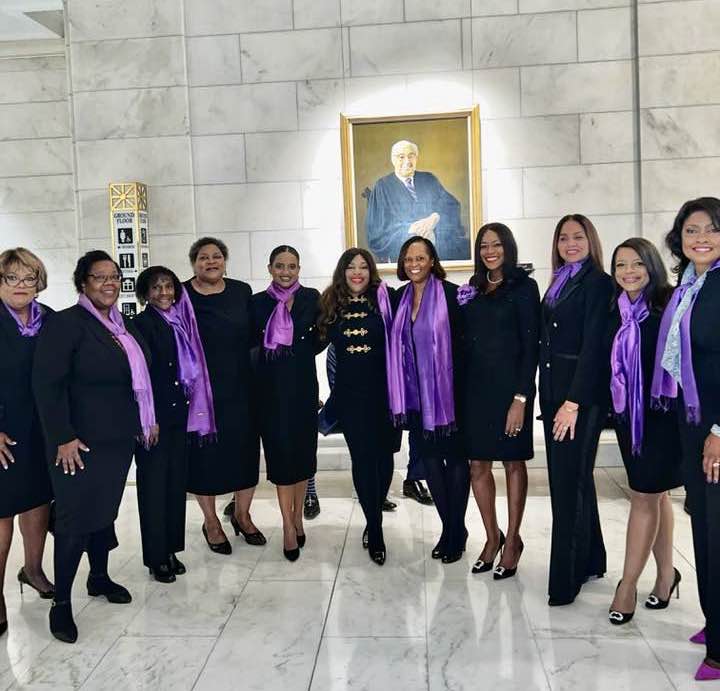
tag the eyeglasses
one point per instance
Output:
(14, 281)
(102, 279)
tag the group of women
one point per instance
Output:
(207, 370)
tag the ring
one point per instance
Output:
(716, 464)
(517, 429)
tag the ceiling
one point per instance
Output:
(23, 20)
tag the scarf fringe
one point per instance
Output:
(280, 352)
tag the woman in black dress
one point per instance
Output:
(222, 309)
(649, 440)
(356, 319)
(184, 412)
(425, 376)
(501, 318)
(574, 401)
(25, 490)
(94, 397)
(687, 367)
(285, 317)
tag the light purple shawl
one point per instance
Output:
(560, 278)
(35, 320)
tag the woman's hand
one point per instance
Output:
(711, 458)
(154, 436)
(565, 420)
(69, 456)
(515, 418)
(5, 455)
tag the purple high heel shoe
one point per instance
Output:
(698, 637)
(707, 673)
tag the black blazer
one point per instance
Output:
(82, 381)
(574, 349)
(705, 339)
(171, 405)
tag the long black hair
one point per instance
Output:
(658, 290)
(510, 270)
(673, 240)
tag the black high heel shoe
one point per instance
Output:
(256, 539)
(481, 566)
(24, 580)
(365, 539)
(501, 573)
(217, 547)
(106, 587)
(619, 618)
(291, 554)
(301, 539)
(62, 624)
(654, 602)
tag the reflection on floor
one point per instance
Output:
(334, 620)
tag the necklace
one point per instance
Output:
(491, 281)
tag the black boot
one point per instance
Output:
(62, 624)
(114, 592)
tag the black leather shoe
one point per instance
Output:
(162, 573)
(438, 550)
(388, 505)
(414, 489)
(452, 557)
(104, 586)
(365, 539)
(256, 539)
(229, 510)
(217, 547)
(311, 506)
(291, 554)
(178, 568)
(62, 624)
(378, 556)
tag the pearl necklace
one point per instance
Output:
(500, 280)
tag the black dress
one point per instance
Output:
(83, 390)
(26, 484)
(162, 469)
(500, 343)
(657, 467)
(224, 323)
(287, 390)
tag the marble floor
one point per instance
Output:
(333, 620)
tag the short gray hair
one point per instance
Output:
(404, 143)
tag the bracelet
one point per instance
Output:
(715, 430)
(520, 397)
(571, 410)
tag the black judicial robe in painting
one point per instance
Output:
(287, 390)
(225, 326)
(500, 343)
(575, 366)
(83, 390)
(25, 484)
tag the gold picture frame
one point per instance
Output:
(445, 197)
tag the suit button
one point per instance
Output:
(177, 384)
(555, 324)
(547, 365)
(170, 364)
(174, 404)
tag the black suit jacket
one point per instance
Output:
(82, 381)
(574, 349)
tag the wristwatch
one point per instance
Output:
(520, 397)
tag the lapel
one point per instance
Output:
(574, 283)
(9, 328)
(104, 337)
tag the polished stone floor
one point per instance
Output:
(333, 620)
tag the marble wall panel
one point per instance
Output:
(245, 108)
(668, 184)
(607, 137)
(678, 27)
(655, 226)
(213, 60)
(524, 40)
(502, 194)
(154, 161)
(604, 34)
(46, 193)
(405, 48)
(319, 251)
(60, 263)
(497, 91)
(315, 14)
(322, 205)
(591, 189)
(466, 41)
(34, 120)
(439, 91)
(219, 159)
(238, 263)
(42, 63)
(131, 113)
(555, 5)
(371, 11)
(172, 251)
(556, 89)
(680, 132)
(320, 102)
(250, 207)
(33, 85)
(373, 95)
(291, 55)
(107, 19)
(230, 16)
(59, 294)
(679, 80)
(419, 10)
(39, 231)
(527, 142)
(29, 157)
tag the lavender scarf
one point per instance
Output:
(560, 278)
(192, 367)
(673, 357)
(141, 385)
(626, 380)
(278, 338)
(35, 320)
(421, 378)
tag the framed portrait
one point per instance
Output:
(412, 175)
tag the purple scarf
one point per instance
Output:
(626, 380)
(136, 359)
(424, 384)
(674, 347)
(192, 367)
(560, 278)
(278, 338)
(35, 320)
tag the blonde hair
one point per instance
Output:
(24, 257)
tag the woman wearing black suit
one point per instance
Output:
(687, 367)
(501, 318)
(94, 396)
(574, 400)
(426, 374)
(25, 489)
(285, 316)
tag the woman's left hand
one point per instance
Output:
(153, 437)
(711, 458)
(515, 418)
(565, 420)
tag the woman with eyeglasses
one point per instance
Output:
(25, 488)
(94, 396)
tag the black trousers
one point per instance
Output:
(704, 505)
(161, 492)
(372, 477)
(577, 550)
